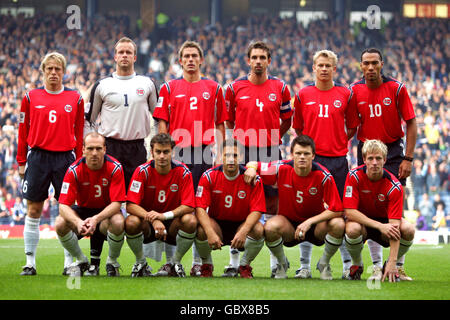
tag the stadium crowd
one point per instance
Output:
(419, 56)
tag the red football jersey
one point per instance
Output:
(324, 116)
(381, 110)
(379, 199)
(230, 200)
(162, 193)
(257, 110)
(93, 188)
(51, 121)
(192, 110)
(301, 197)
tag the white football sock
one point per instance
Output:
(115, 243)
(276, 247)
(31, 239)
(252, 248)
(346, 258)
(204, 250)
(234, 257)
(70, 243)
(332, 244)
(170, 252)
(195, 256)
(402, 250)
(354, 247)
(184, 243)
(376, 253)
(135, 244)
(68, 259)
(305, 254)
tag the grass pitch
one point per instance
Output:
(428, 265)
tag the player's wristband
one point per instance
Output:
(410, 159)
(168, 215)
(253, 167)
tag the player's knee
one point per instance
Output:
(257, 231)
(407, 230)
(34, 209)
(132, 225)
(353, 229)
(60, 226)
(271, 227)
(189, 223)
(337, 226)
(117, 224)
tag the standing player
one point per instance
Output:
(96, 183)
(123, 104)
(192, 109)
(256, 104)
(161, 201)
(228, 211)
(325, 112)
(373, 204)
(383, 104)
(50, 129)
(310, 208)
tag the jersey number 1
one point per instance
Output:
(126, 100)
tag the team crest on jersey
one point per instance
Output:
(68, 108)
(313, 191)
(206, 95)
(241, 194)
(174, 187)
(140, 91)
(387, 101)
(105, 182)
(337, 103)
(381, 197)
(272, 97)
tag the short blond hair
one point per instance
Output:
(374, 146)
(126, 39)
(327, 54)
(54, 56)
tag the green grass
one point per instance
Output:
(428, 265)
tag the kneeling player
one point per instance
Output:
(373, 203)
(310, 208)
(228, 210)
(160, 201)
(97, 184)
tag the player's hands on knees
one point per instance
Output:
(301, 230)
(390, 272)
(391, 231)
(160, 230)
